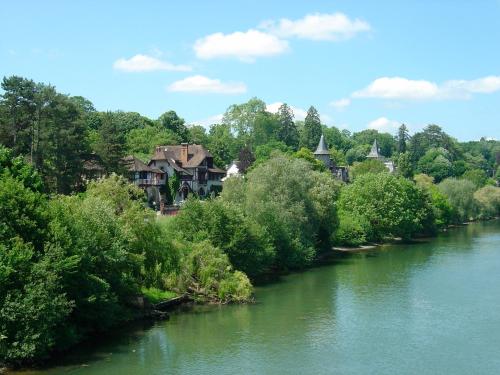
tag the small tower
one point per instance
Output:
(322, 153)
(374, 152)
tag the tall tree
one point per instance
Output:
(241, 117)
(110, 145)
(402, 137)
(173, 122)
(287, 132)
(312, 129)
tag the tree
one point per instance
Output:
(404, 165)
(265, 151)
(367, 166)
(198, 135)
(402, 138)
(477, 176)
(488, 199)
(222, 144)
(460, 194)
(312, 129)
(171, 121)
(141, 142)
(386, 142)
(392, 205)
(246, 159)
(307, 155)
(357, 153)
(242, 117)
(287, 132)
(436, 163)
(293, 203)
(110, 145)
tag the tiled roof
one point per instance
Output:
(172, 154)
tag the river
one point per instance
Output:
(426, 308)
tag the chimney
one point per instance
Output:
(184, 153)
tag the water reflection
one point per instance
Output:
(429, 307)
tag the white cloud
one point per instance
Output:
(318, 26)
(403, 88)
(145, 63)
(398, 88)
(383, 124)
(202, 84)
(340, 104)
(245, 46)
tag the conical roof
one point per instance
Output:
(322, 149)
(374, 151)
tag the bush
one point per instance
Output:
(206, 273)
(352, 230)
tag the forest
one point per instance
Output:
(73, 254)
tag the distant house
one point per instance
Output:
(232, 170)
(323, 154)
(193, 165)
(375, 154)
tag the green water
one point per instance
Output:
(429, 308)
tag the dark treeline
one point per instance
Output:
(73, 256)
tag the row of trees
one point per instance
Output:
(57, 133)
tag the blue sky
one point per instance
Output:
(360, 63)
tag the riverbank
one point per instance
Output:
(392, 311)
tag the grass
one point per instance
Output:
(155, 295)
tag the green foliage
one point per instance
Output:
(357, 153)
(436, 163)
(460, 194)
(294, 204)
(264, 152)
(367, 166)
(287, 132)
(310, 135)
(110, 145)
(141, 142)
(443, 211)
(207, 273)
(404, 165)
(477, 176)
(488, 199)
(228, 229)
(172, 122)
(307, 155)
(155, 295)
(352, 230)
(386, 142)
(393, 205)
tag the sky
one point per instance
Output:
(362, 64)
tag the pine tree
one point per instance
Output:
(402, 137)
(111, 144)
(287, 132)
(312, 129)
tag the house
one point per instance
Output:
(375, 154)
(192, 165)
(323, 154)
(232, 170)
(148, 178)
